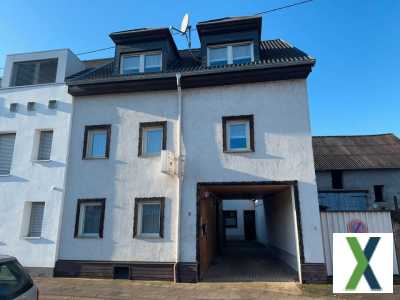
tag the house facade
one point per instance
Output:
(35, 116)
(358, 172)
(160, 136)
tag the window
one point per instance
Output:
(52, 104)
(140, 63)
(90, 218)
(45, 142)
(337, 179)
(230, 54)
(378, 191)
(34, 72)
(31, 106)
(36, 219)
(149, 217)
(152, 138)
(238, 133)
(7, 141)
(97, 142)
(230, 218)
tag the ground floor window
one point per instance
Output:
(90, 218)
(149, 217)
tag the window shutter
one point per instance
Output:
(35, 223)
(6, 152)
(46, 140)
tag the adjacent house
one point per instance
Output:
(35, 116)
(161, 136)
(358, 172)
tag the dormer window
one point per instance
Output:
(34, 72)
(241, 53)
(140, 63)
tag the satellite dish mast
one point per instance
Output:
(185, 29)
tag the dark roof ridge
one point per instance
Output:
(355, 135)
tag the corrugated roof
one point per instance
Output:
(356, 152)
(272, 53)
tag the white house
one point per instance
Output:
(358, 172)
(35, 114)
(161, 136)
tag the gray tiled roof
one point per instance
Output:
(356, 152)
(273, 53)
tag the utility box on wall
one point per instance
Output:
(168, 162)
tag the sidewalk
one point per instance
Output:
(90, 289)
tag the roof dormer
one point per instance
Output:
(143, 51)
(234, 40)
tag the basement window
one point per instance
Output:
(140, 63)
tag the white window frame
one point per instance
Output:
(141, 61)
(89, 144)
(228, 135)
(230, 51)
(140, 217)
(12, 154)
(82, 211)
(28, 221)
(37, 146)
(146, 129)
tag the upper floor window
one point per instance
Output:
(34, 72)
(152, 138)
(238, 133)
(45, 143)
(97, 142)
(141, 63)
(230, 54)
(7, 141)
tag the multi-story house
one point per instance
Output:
(35, 116)
(161, 136)
(358, 172)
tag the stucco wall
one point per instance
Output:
(261, 223)
(239, 206)
(365, 180)
(283, 152)
(33, 181)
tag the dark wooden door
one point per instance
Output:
(249, 225)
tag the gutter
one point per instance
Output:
(179, 160)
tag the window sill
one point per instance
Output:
(239, 151)
(150, 155)
(5, 175)
(41, 160)
(32, 237)
(95, 158)
(148, 237)
(96, 237)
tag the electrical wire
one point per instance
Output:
(193, 29)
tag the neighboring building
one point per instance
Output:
(357, 172)
(233, 119)
(35, 114)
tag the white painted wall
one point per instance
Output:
(239, 206)
(365, 180)
(30, 180)
(283, 152)
(261, 223)
(281, 230)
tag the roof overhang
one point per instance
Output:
(209, 77)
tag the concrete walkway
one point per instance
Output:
(246, 261)
(106, 289)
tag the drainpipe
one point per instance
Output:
(179, 139)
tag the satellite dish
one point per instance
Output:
(184, 23)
